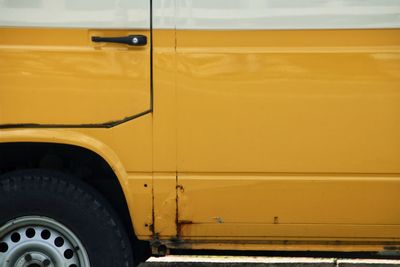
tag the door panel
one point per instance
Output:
(287, 133)
(55, 74)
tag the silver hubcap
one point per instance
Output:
(35, 241)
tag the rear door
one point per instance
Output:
(56, 75)
(288, 118)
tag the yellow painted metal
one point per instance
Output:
(140, 200)
(131, 160)
(165, 206)
(288, 101)
(59, 76)
(279, 139)
(164, 107)
(285, 206)
(164, 130)
(288, 133)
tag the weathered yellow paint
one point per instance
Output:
(289, 205)
(140, 188)
(58, 76)
(49, 73)
(278, 140)
(130, 160)
(165, 205)
(287, 245)
(164, 138)
(288, 134)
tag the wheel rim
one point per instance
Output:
(35, 241)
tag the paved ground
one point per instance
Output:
(228, 261)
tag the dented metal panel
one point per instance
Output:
(264, 206)
(165, 206)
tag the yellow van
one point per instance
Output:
(184, 124)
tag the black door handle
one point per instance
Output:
(135, 40)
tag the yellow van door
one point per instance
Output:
(60, 61)
(288, 120)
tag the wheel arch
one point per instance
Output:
(72, 138)
(75, 140)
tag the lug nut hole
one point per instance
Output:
(68, 254)
(30, 232)
(59, 242)
(15, 237)
(3, 247)
(45, 234)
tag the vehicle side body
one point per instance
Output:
(244, 125)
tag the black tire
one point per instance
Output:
(72, 203)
